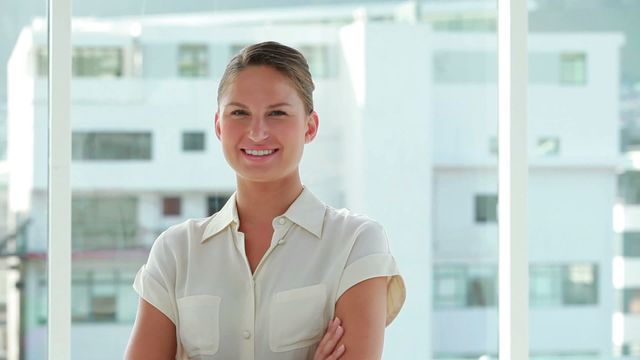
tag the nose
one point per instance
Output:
(259, 130)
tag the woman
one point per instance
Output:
(264, 277)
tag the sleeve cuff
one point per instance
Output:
(372, 266)
(150, 289)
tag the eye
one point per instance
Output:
(238, 112)
(277, 113)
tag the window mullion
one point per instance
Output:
(59, 227)
(512, 180)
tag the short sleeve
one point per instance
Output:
(155, 280)
(369, 258)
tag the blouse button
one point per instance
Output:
(246, 334)
(281, 221)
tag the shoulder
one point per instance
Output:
(181, 235)
(353, 224)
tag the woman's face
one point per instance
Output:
(263, 126)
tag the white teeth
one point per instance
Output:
(259, 152)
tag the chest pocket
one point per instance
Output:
(199, 324)
(297, 317)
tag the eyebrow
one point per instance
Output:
(234, 103)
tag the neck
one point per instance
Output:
(259, 202)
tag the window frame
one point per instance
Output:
(512, 28)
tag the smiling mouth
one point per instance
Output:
(259, 153)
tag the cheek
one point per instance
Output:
(227, 131)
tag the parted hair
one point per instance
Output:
(287, 60)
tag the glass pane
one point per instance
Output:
(463, 113)
(584, 109)
(23, 179)
(395, 143)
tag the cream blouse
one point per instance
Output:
(197, 274)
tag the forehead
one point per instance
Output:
(260, 84)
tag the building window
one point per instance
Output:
(486, 208)
(580, 285)
(573, 68)
(171, 206)
(545, 287)
(555, 285)
(629, 187)
(465, 67)
(631, 244)
(88, 61)
(459, 22)
(318, 59)
(458, 286)
(630, 137)
(96, 296)
(216, 202)
(111, 146)
(631, 300)
(100, 222)
(481, 286)
(236, 48)
(493, 145)
(193, 141)
(631, 349)
(42, 61)
(449, 286)
(193, 60)
(548, 146)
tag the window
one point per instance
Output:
(493, 145)
(193, 60)
(236, 48)
(464, 23)
(193, 141)
(627, 349)
(88, 61)
(111, 146)
(102, 295)
(42, 61)
(171, 206)
(464, 67)
(486, 208)
(631, 300)
(215, 203)
(548, 146)
(630, 135)
(481, 286)
(573, 68)
(631, 244)
(318, 59)
(101, 222)
(449, 286)
(96, 297)
(545, 288)
(580, 284)
(629, 187)
(557, 285)
(458, 286)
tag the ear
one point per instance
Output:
(313, 121)
(217, 124)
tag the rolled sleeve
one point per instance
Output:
(153, 292)
(155, 280)
(366, 261)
